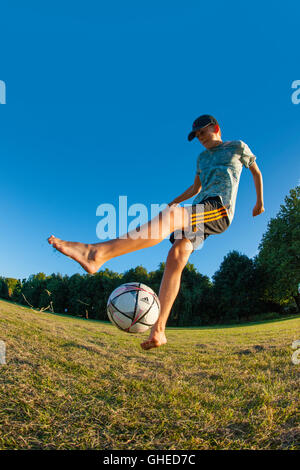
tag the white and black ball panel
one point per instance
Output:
(109, 311)
(110, 314)
(118, 319)
(150, 291)
(145, 299)
(145, 304)
(152, 315)
(138, 328)
(141, 286)
(125, 302)
(121, 290)
(122, 321)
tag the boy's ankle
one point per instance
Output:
(159, 328)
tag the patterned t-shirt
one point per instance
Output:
(219, 169)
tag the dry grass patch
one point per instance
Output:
(77, 384)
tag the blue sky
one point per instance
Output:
(100, 99)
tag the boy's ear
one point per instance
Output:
(217, 128)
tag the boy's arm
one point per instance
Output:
(258, 181)
(190, 192)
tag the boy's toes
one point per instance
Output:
(51, 239)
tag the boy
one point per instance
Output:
(215, 186)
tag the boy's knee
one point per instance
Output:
(180, 252)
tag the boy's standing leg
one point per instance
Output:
(177, 258)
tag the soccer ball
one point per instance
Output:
(133, 307)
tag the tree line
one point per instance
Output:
(243, 289)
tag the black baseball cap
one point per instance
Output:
(201, 122)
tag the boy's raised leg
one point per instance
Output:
(92, 256)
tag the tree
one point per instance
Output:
(10, 289)
(191, 302)
(238, 288)
(55, 293)
(138, 274)
(97, 290)
(279, 252)
(3, 288)
(33, 288)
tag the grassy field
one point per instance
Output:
(76, 384)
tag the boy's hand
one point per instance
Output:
(258, 209)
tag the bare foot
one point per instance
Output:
(155, 340)
(86, 255)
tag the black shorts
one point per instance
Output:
(209, 217)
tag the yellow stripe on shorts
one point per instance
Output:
(209, 212)
(208, 216)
